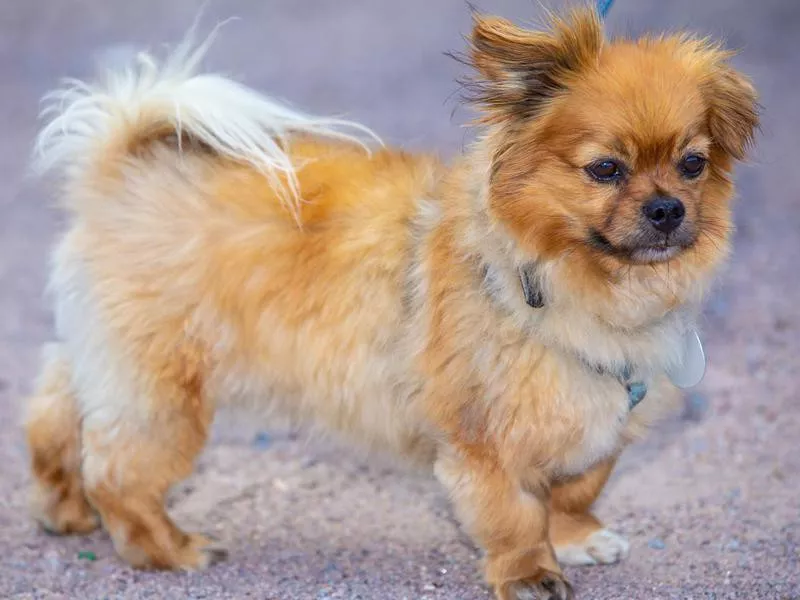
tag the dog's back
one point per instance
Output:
(221, 248)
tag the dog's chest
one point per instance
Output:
(563, 414)
(595, 409)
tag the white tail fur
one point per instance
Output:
(228, 117)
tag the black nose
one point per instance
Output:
(664, 213)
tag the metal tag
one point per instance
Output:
(693, 367)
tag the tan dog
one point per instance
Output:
(498, 319)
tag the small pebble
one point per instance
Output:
(695, 407)
(657, 544)
(734, 494)
(262, 440)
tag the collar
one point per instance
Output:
(636, 389)
(531, 285)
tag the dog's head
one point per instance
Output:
(616, 152)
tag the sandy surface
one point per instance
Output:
(709, 501)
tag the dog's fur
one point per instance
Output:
(226, 250)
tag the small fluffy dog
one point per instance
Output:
(499, 319)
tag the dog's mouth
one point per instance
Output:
(643, 253)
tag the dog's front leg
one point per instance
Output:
(580, 538)
(508, 520)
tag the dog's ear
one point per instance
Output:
(520, 70)
(733, 111)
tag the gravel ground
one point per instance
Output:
(709, 500)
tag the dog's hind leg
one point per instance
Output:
(136, 446)
(53, 428)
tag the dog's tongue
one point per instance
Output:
(693, 366)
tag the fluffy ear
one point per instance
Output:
(521, 69)
(733, 116)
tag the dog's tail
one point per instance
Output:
(99, 124)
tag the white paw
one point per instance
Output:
(603, 547)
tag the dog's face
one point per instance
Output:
(614, 152)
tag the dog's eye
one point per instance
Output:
(605, 171)
(691, 166)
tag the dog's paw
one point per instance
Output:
(76, 525)
(58, 514)
(200, 553)
(603, 547)
(551, 586)
(195, 552)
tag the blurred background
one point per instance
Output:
(710, 501)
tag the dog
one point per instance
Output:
(510, 320)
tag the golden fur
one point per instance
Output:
(385, 303)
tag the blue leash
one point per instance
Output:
(603, 6)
